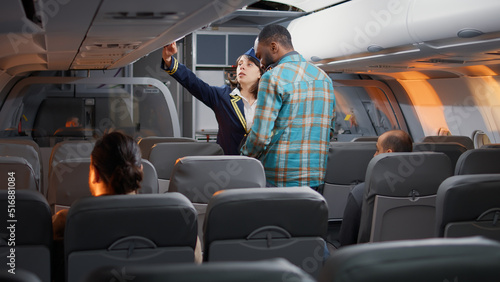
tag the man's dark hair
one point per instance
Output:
(277, 33)
(398, 141)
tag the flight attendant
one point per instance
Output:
(234, 106)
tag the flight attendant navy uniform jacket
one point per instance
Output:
(227, 106)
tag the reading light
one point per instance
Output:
(469, 33)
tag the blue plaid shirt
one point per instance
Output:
(293, 123)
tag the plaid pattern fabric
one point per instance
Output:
(293, 122)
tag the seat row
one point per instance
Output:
(348, 163)
(248, 224)
(128, 230)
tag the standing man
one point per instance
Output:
(294, 118)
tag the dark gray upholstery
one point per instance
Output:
(365, 139)
(198, 177)
(33, 233)
(439, 260)
(346, 167)
(69, 182)
(478, 161)
(147, 143)
(462, 199)
(70, 150)
(149, 184)
(125, 230)
(259, 223)
(406, 182)
(452, 149)
(26, 149)
(24, 174)
(164, 155)
(273, 270)
(464, 140)
(20, 276)
(490, 146)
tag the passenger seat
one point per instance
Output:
(479, 161)
(452, 149)
(147, 143)
(346, 167)
(28, 150)
(32, 233)
(164, 156)
(464, 140)
(400, 196)
(469, 205)
(199, 177)
(254, 224)
(120, 231)
(438, 259)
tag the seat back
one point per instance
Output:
(126, 230)
(469, 205)
(346, 167)
(478, 161)
(438, 259)
(272, 270)
(452, 149)
(254, 224)
(399, 201)
(32, 233)
(68, 181)
(198, 178)
(147, 143)
(23, 173)
(20, 276)
(149, 184)
(464, 140)
(163, 156)
(365, 139)
(490, 146)
(28, 150)
(70, 150)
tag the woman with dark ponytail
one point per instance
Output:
(115, 169)
(115, 166)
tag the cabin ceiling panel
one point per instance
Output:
(14, 19)
(309, 5)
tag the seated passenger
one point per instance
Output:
(388, 142)
(72, 122)
(115, 169)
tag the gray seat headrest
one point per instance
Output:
(198, 178)
(165, 219)
(301, 211)
(397, 174)
(465, 198)
(478, 161)
(348, 161)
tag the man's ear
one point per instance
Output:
(389, 151)
(274, 47)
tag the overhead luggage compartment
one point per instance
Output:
(378, 30)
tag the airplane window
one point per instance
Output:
(362, 111)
